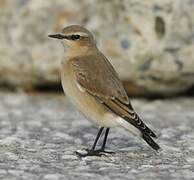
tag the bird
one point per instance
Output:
(93, 86)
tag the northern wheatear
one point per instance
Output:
(93, 86)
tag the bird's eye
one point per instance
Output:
(75, 36)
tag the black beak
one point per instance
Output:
(57, 36)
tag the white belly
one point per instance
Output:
(87, 104)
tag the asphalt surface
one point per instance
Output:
(40, 133)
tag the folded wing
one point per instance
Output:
(96, 75)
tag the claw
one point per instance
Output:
(89, 153)
(98, 152)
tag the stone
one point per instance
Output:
(150, 43)
(28, 152)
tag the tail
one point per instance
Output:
(146, 135)
(151, 142)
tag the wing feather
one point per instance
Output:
(96, 75)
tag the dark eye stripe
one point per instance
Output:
(75, 37)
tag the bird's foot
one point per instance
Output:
(91, 152)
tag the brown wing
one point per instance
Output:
(96, 75)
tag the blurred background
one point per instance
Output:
(151, 45)
(149, 42)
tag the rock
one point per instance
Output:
(35, 144)
(150, 43)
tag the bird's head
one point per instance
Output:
(75, 37)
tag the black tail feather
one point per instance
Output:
(151, 142)
(139, 124)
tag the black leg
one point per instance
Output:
(92, 152)
(104, 143)
(105, 139)
(97, 138)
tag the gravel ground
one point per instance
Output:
(40, 133)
